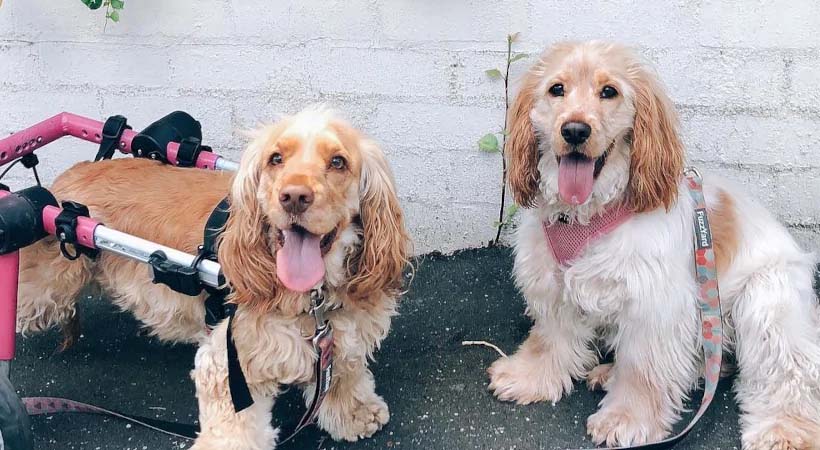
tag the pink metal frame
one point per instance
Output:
(9, 270)
(27, 141)
(66, 124)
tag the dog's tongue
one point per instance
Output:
(299, 263)
(575, 179)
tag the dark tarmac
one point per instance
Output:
(435, 387)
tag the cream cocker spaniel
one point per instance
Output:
(591, 130)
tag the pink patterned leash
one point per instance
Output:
(53, 405)
(710, 313)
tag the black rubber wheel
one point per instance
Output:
(15, 427)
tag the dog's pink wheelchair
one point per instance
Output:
(31, 214)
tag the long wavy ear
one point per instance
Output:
(245, 248)
(379, 264)
(657, 151)
(521, 151)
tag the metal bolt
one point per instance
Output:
(62, 236)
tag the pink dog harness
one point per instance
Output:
(567, 241)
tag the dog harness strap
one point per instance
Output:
(240, 392)
(112, 132)
(710, 311)
(567, 241)
(215, 303)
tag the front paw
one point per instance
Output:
(619, 427)
(521, 380)
(356, 419)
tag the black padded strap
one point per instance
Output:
(112, 132)
(189, 150)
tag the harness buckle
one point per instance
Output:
(182, 279)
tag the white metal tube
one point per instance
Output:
(139, 249)
(226, 164)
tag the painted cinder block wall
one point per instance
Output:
(745, 75)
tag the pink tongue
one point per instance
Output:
(299, 263)
(575, 179)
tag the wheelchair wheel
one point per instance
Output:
(15, 427)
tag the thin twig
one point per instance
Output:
(501, 221)
(486, 344)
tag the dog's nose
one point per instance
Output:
(296, 198)
(575, 133)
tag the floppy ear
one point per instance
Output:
(245, 246)
(657, 152)
(379, 264)
(521, 151)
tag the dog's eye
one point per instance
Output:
(556, 90)
(276, 159)
(609, 92)
(337, 162)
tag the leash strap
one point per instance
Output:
(323, 346)
(53, 405)
(709, 303)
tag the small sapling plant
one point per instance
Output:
(496, 142)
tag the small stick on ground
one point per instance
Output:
(486, 344)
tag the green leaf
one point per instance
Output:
(92, 4)
(114, 16)
(517, 56)
(488, 143)
(493, 73)
(512, 37)
(117, 4)
(511, 211)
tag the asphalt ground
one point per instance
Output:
(435, 387)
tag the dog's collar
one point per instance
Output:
(568, 240)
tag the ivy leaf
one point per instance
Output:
(488, 143)
(493, 73)
(512, 37)
(117, 4)
(114, 15)
(517, 56)
(92, 4)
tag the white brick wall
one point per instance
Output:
(745, 74)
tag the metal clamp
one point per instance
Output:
(112, 132)
(66, 224)
(318, 307)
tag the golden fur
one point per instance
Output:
(168, 205)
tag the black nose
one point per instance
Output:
(296, 199)
(575, 133)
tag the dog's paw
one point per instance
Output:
(617, 427)
(598, 376)
(356, 419)
(515, 379)
(787, 434)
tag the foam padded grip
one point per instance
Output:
(21, 218)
